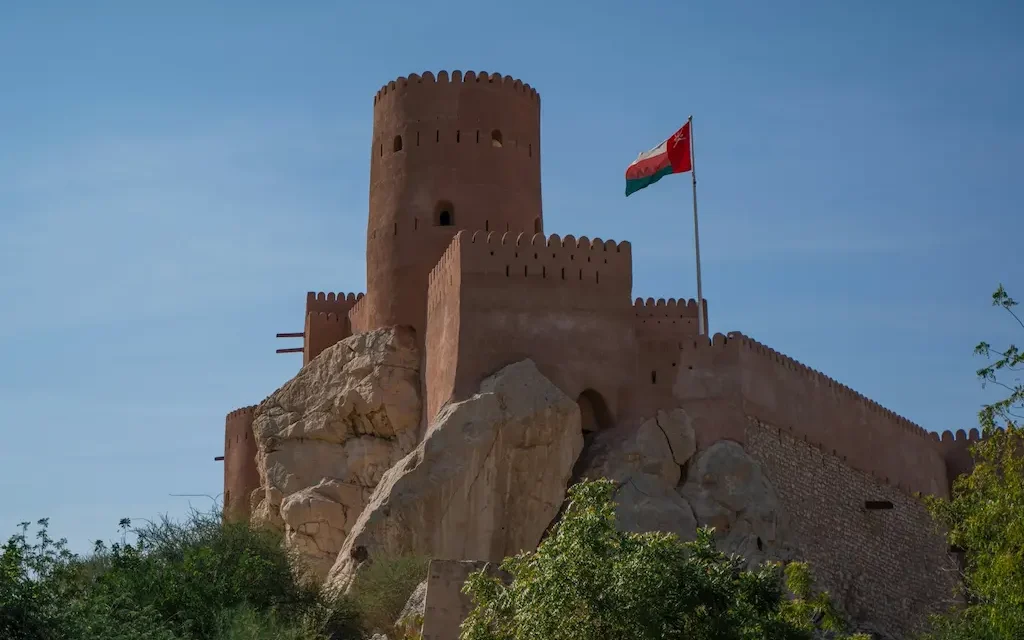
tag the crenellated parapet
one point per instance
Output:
(514, 87)
(956, 450)
(596, 265)
(331, 302)
(327, 321)
(788, 394)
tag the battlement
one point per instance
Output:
(788, 394)
(512, 85)
(956, 450)
(959, 437)
(666, 308)
(241, 414)
(667, 319)
(445, 274)
(598, 262)
(323, 330)
(357, 315)
(331, 301)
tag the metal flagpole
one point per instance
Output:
(701, 329)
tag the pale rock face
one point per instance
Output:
(728, 491)
(645, 462)
(677, 426)
(485, 483)
(326, 438)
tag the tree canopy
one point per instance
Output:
(590, 581)
(985, 514)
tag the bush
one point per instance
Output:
(590, 581)
(200, 579)
(382, 588)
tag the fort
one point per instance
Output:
(456, 249)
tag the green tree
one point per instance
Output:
(196, 580)
(985, 515)
(590, 581)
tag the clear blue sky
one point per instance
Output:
(172, 182)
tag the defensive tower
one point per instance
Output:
(449, 153)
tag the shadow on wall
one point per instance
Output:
(594, 414)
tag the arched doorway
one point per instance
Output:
(594, 414)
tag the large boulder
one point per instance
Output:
(328, 435)
(728, 491)
(645, 462)
(485, 483)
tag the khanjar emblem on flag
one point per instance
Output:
(671, 156)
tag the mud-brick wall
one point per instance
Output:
(889, 567)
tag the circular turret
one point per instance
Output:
(449, 153)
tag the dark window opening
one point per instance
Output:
(397, 144)
(536, 225)
(417, 138)
(506, 270)
(487, 225)
(382, 150)
(437, 136)
(760, 545)
(458, 135)
(496, 140)
(478, 136)
(654, 377)
(444, 214)
(531, 150)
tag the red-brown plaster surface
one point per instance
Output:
(241, 476)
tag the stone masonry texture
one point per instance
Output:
(887, 566)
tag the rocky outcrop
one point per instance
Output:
(486, 481)
(728, 491)
(326, 438)
(645, 462)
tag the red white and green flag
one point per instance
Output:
(671, 156)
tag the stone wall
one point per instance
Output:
(889, 566)
(445, 605)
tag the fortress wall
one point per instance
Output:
(358, 318)
(442, 332)
(661, 326)
(781, 391)
(669, 319)
(562, 302)
(889, 566)
(323, 330)
(326, 321)
(657, 369)
(241, 477)
(956, 450)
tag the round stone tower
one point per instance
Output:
(449, 153)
